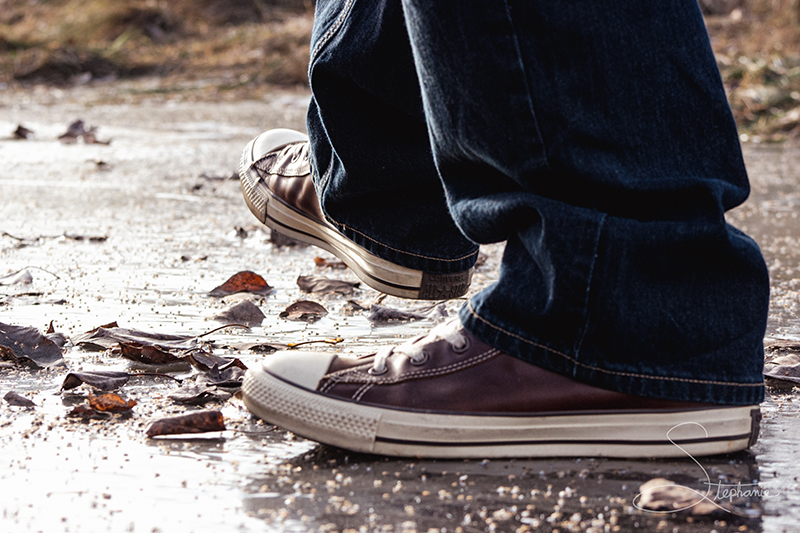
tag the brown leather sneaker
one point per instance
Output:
(447, 394)
(276, 182)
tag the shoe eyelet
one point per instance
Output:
(463, 348)
(380, 372)
(422, 359)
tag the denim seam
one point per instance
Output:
(345, 226)
(603, 370)
(323, 180)
(527, 85)
(337, 24)
(582, 336)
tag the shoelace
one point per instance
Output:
(449, 331)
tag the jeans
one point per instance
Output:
(593, 137)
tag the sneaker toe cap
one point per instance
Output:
(274, 139)
(304, 369)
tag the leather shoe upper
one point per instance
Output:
(286, 173)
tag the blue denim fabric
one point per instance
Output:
(593, 137)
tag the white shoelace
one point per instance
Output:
(449, 331)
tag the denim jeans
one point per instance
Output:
(593, 137)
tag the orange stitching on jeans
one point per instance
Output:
(333, 29)
(584, 365)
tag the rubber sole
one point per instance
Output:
(387, 431)
(380, 274)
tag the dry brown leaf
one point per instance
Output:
(110, 402)
(321, 262)
(245, 312)
(244, 281)
(102, 380)
(663, 495)
(18, 400)
(28, 346)
(149, 355)
(323, 285)
(200, 422)
(304, 311)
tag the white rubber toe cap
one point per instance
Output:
(274, 139)
(304, 369)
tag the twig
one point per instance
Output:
(333, 341)
(43, 270)
(222, 327)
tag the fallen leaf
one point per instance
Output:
(323, 285)
(785, 367)
(781, 346)
(110, 403)
(18, 400)
(59, 338)
(321, 262)
(260, 347)
(215, 385)
(87, 413)
(29, 346)
(22, 133)
(380, 315)
(663, 495)
(149, 355)
(17, 278)
(199, 422)
(77, 131)
(304, 311)
(88, 238)
(186, 258)
(245, 281)
(353, 306)
(108, 336)
(199, 395)
(205, 361)
(102, 380)
(230, 377)
(6, 353)
(245, 312)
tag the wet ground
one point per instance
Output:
(140, 230)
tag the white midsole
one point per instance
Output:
(361, 261)
(371, 429)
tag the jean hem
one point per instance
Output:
(719, 392)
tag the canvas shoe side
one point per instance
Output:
(275, 176)
(448, 394)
